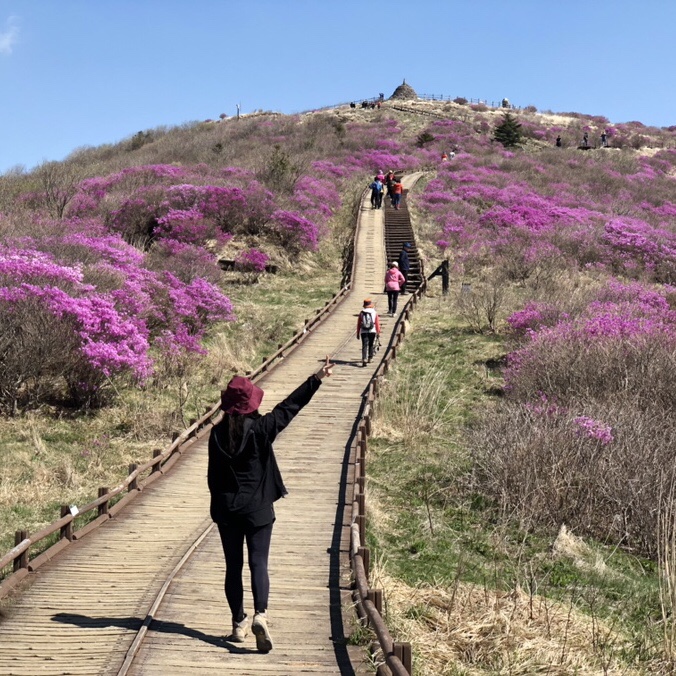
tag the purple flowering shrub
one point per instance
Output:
(251, 260)
(109, 311)
(585, 237)
(295, 233)
(577, 439)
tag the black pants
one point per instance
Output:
(258, 547)
(392, 301)
(402, 286)
(368, 341)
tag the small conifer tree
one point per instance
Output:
(508, 132)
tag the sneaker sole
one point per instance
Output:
(263, 639)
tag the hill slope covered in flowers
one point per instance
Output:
(109, 281)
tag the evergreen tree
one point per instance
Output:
(508, 132)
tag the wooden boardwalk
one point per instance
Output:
(83, 610)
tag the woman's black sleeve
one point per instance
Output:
(281, 415)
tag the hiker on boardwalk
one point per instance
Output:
(393, 281)
(244, 481)
(558, 141)
(376, 194)
(404, 263)
(604, 140)
(389, 183)
(368, 330)
(397, 192)
(585, 140)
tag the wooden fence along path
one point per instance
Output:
(82, 612)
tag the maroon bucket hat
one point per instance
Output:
(241, 397)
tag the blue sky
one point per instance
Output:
(79, 73)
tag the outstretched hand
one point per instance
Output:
(325, 370)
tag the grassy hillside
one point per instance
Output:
(529, 423)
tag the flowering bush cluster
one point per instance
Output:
(127, 274)
(77, 311)
(588, 369)
(252, 260)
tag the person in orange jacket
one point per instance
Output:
(397, 191)
(368, 329)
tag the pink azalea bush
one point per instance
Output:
(252, 260)
(108, 311)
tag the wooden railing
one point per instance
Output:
(396, 655)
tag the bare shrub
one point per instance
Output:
(41, 361)
(596, 469)
(481, 303)
(57, 184)
(579, 368)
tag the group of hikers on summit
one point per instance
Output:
(243, 476)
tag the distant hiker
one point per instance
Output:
(558, 141)
(604, 140)
(452, 155)
(380, 176)
(444, 157)
(376, 194)
(404, 265)
(389, 183)
(397, 192)
(368, 329)
(393, 282)
(244, 482)
(585, 140)
(353, 104)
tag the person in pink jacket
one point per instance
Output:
(393, 281)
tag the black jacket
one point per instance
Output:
(404, 262)
(246, 483)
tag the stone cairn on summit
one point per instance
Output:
(404, 92)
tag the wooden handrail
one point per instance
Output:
(390, 649)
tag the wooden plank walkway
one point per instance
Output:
(82, 611)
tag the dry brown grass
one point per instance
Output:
(468, 629)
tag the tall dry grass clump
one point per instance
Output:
(472, 629)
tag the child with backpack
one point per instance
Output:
(368, 329)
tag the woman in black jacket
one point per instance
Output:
(245, 481)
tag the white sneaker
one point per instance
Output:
(260, 629)
(240, 630)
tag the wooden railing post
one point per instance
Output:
(360, 520)
(361, 501)
(133, 484)
(67, 530)
(375, 596)
(403, 652)
(365, 554)
(103, 507)
(156, 468)
(21, 561)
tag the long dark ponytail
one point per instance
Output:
(234, 432)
